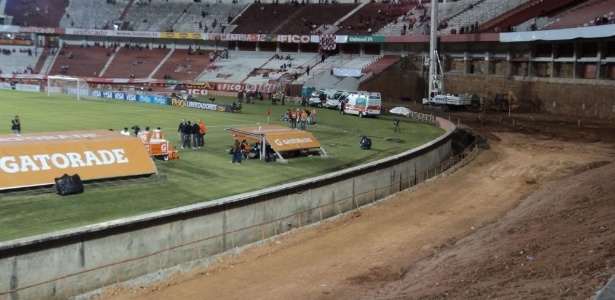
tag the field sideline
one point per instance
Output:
(200, 174)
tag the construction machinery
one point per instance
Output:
(437, 97)
(501, 102)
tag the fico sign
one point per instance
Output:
(230, 87)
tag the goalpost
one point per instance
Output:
(67, 85)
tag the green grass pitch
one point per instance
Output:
(200, 174)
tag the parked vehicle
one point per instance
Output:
(335, 103)
(319, 98)
(363, 105)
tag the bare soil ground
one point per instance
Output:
(531, 218)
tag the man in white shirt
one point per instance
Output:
(125, 131)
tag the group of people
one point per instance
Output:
(242, 150)
(303, 117)
(250, 96)
(192, 134)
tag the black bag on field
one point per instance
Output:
(69, 185)
(366, 143)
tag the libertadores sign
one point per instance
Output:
(35, 159)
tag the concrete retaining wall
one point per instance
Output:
(74, 262)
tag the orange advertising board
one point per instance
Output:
(292, 140)
(38, 158)
(281, 138)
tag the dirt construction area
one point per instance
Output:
(533, 217)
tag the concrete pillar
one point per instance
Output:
(488, 63)
(576, 66)
(529, 69)
(508, 64)
(552, 64)
(466, 63)
(599, 57)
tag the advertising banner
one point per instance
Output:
(347, 72)
(235, 37)
(153, 99)
(366, 39)
(9, 28)
(281, 138)
(182, 35)
(42, 30)
(208, 106)
(5, 86)
(36, 159)
(114, 95)
(28, 87)
(114, 33)
(292, 140)
(16, 42)
(295, 39)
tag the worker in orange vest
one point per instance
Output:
(304, 117)
(202, 132)
(293, 119)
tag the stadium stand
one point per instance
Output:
(137, 61)
(308, 19)
(76, 60)
(267, 16)
(18, 59)
(374, 16)
(381, 64)
(237, 67)
(587, 14)
(470, 19)
(529, 16)
(155, 15)
(205, 17)
(182, 65)
(42, 13)
(101, 16)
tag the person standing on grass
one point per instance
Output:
(236, 150)
(202, 132)
(313, 116)
(196, 137)
(293, 118)
(187, 134)
(180, 131)
(16, 126)
(303, 118)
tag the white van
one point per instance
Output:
(320, 98)
(363, 104)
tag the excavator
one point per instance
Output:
(501, 102)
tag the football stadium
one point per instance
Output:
(409, 149)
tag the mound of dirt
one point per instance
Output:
(558, 244)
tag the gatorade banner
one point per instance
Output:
(292, 140)
(36, 159)
(280, 138)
